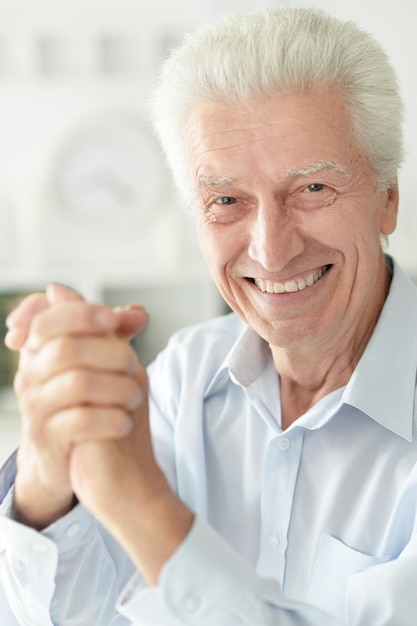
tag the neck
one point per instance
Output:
(309, 374)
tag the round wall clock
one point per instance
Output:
(106, 170)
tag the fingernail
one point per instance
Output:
(127, 427)
(133, 365)
(136, 401)
(129, 307)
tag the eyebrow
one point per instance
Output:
(317, 167)
(213, 181)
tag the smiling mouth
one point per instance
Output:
(290, 286)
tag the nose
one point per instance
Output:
(275, 236)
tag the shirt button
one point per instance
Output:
(39, 547)
(284, 444)
(72, 530)
(191, 603)
(274, 540)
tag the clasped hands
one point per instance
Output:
(83, 398)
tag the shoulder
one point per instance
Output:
(223, 330)
(194, 354)
(215, 337)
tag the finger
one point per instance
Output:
(131, 320)
(107, 353)
(19, 320)
(70, 318)
(75, 388)
(15, 338)
(57, 292)
(80, 424)
(22, 315)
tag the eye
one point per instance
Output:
(225, 200)
(314, 187)
(312, 196)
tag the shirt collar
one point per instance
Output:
(388, 363)
(245, 361)
(383, 383)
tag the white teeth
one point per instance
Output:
(290, 286)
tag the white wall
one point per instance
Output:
(39, 115)
(149, 254)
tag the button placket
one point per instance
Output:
(274, 540)
(284, 443)
(279, 480)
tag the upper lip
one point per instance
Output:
(293, 284)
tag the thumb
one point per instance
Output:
(132, 319)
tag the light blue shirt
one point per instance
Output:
(313, 526)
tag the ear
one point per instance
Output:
(390, 211)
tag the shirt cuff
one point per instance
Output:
(205, 582)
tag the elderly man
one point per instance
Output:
(280, 487)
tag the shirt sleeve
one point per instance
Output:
(206, 583)
(70, 573)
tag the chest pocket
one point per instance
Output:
(335, 562)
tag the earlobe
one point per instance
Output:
(390, 211)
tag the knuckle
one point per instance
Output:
(129, 357)
(97, 423)
(26, 401)
(32, 424)
(62, 350)
(134, 395)
(77, 417)
(34, 429)
(79, 383)
(100, 389)
(36, 324)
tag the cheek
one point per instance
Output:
(342, 227)
(213, 246)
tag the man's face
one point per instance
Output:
(289, 217)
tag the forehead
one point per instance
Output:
(288, 132)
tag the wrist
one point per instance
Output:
(37, 516)
(151, 534)
(38, 505)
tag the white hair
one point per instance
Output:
(246, 56)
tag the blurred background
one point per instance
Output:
(85, 198)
